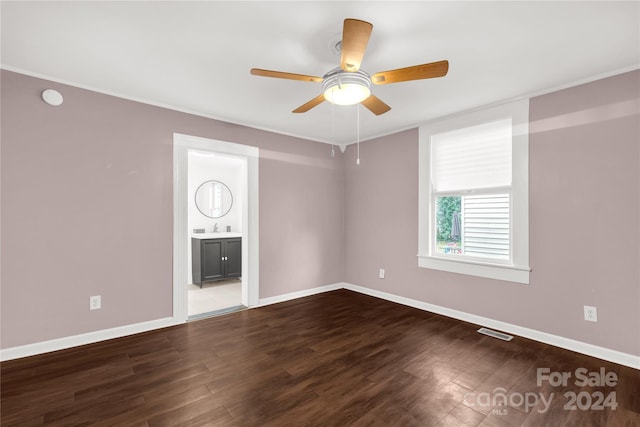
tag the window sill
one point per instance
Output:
(509, 273)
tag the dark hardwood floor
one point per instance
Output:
(333, 359)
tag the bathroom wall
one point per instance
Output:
(207, 167)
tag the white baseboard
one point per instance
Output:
(300, 294)
(107, 334)
(566, 343)
(82, 339)
(555, 340)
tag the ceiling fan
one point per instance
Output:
(347, 84)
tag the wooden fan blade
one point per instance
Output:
(417, 72)
(283, 75)
(375, 105)
(355, 37)
(309, 105)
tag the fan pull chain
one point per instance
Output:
(333, 131)
(358, 132)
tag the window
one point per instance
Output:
(474, 193)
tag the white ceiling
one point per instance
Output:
(196, 56)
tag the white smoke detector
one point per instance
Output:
(52, 97)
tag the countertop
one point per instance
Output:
(221, 235)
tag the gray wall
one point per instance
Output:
(87, 210)
(584, 221)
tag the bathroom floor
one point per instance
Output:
(214, 296)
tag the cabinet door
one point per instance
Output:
(212, 262)
(233, 255)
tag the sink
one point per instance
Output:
(222, 235)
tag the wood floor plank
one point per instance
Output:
(333, 359)
(205, 410)
(462, 415)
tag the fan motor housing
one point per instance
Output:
(345, 87)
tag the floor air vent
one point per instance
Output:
(495, 334)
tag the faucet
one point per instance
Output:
(215, 228)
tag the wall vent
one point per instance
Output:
(495, 334)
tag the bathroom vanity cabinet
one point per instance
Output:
(216, 258)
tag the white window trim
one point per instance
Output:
(518, 269)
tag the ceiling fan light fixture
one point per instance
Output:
(347, 84)
(346, 88)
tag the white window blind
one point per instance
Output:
(472, 158)
(486, 228)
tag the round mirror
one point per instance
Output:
(213, 199)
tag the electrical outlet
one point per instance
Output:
(381, 273)
(590, 313)
(95, 302)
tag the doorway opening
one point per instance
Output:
(215, 227)
(216, 184)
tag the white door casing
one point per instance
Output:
(250, 256)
